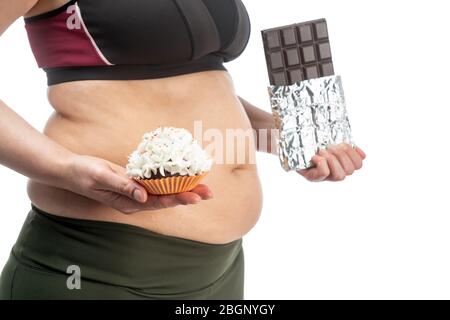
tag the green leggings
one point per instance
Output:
(63, 258)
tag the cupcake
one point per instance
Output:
(168, 160)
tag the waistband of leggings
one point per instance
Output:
(121, 254)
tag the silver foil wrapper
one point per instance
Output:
(310, 115)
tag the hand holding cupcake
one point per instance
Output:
(168, 161)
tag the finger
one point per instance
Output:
(125, 204)
(167, 201)
(203, 191)
(354, 157)
(361, 153)
(322, 170)
(340, 153)
(319, 172)
(315, 163)
(110, 180)
(337, 173)
(184, 198)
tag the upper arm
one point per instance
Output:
(11, 10)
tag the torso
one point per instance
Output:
(107, 119)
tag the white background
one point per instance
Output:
(383, 233)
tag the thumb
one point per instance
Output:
(124, 186)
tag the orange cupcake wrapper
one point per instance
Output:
(171, 185)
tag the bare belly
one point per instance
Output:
(107, 119)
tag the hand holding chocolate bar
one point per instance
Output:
(334, 164)
(307, 99)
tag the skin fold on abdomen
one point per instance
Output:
(107, 119)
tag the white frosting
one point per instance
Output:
(168, 149)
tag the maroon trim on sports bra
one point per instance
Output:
(60, 40)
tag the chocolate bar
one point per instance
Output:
(298, 52)
(306, 97)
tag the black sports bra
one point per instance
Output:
(137, 39)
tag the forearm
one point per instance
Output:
(29, 152)
(263, 123)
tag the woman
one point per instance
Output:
(117, 69)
